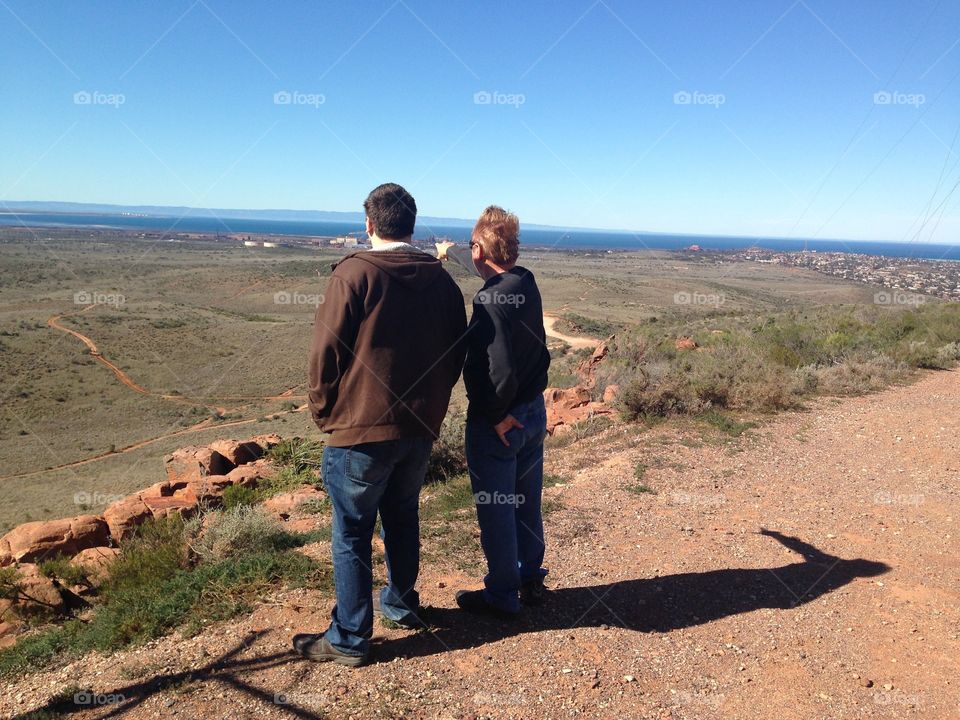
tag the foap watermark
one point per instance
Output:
(697, 298)
(897, 697)
(697, 699)
(498, 498)
(895, 297)
(306, 700)
(90, 699)
(679, 497)
(296, 97)
(94, 297)
(297, 298)
(93, 499)
(888, 498)
(895, 97)
(485, 97)
(696, 97)
(499, 298)
(499, 699)
(95, 97)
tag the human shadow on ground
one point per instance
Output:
(657, 604)
(227, 669)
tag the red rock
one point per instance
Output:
(287, 503)
(588, 368)
(96, 561)
(250, 475)
(125, 515)
(38, 593)
(238, 452)
(268, 441)
(8, 631)
(566, 398)
(195, 462)
(44, 539)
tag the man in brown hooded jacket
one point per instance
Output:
(388, 347)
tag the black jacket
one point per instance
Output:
(507, 357)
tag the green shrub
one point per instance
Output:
(170, 575)
(242, 530)
(448, 458)
(298, 454)
(60, 568)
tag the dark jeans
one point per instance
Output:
(507, 487)
(363, 480)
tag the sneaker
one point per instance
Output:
(415, 621)
(533, 593)
(319, 649)
(474, 602)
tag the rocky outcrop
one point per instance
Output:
(96, 562)
(571, 405)
(196, 477)
(45, 539)
(238, 452)
(285, 504)
(567, 406)
(195, 462)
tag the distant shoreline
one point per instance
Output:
(538, 237)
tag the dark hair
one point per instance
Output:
(392, 211)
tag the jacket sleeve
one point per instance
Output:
(495, 381)
(334, 334)
(463, 256)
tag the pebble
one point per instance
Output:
(628, 678)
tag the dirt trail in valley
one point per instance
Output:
(576, 343)
(807, 569)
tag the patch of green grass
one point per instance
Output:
(159, 583)
(297, 454)
(550, 480)
(727, 424)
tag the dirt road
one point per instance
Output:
(575, 342)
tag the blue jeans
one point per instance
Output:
(363, 480)
(507, 486)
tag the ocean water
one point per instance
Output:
(559, 238)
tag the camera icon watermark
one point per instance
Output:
(485, 97)
(895, 97)
(714, 300)
(498, 498)
(695, 97)
(295, 97)
(89, 698)
(895, 297)
(306, 700)
(95, 97)
(284, 297)
(93, 297)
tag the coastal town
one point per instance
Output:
(904, 277)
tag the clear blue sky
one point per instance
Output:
(798, 147)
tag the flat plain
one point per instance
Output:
(117, 349)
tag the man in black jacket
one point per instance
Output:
(505, 375)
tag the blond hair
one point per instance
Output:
(498, 233)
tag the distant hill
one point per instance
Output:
(238, 214)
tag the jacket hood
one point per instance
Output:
(414, 269)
